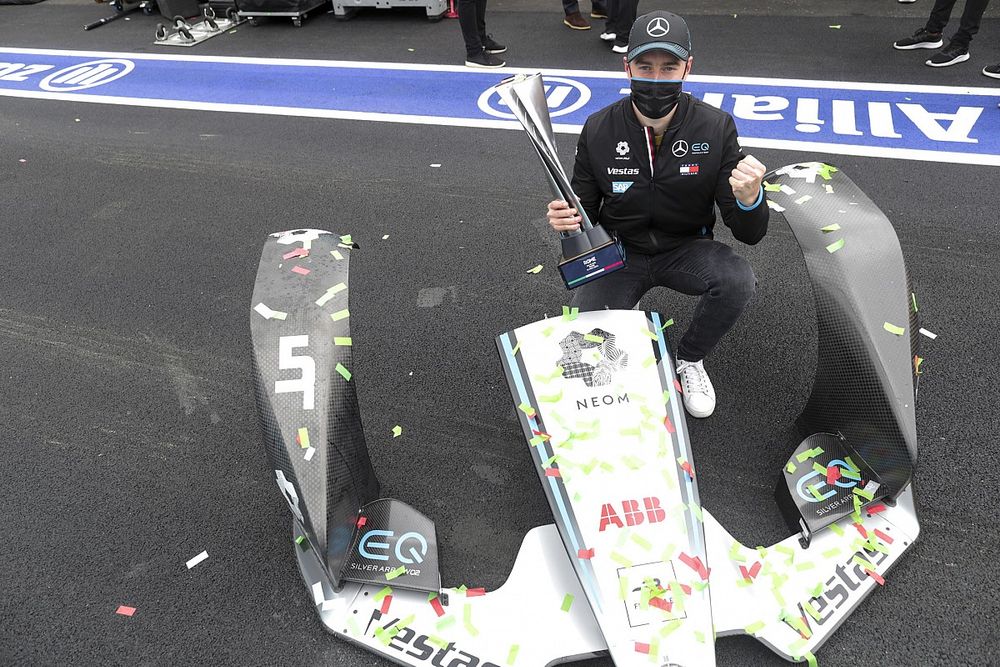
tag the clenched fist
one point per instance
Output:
(562, 218)
(746, 178)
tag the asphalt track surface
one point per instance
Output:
(132, 238)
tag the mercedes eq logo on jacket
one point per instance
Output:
(673, 192)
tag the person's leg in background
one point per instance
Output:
(574, 19)
(957, 50)
(490, 45)
(627, 10)
(610, 25)
(929, 37)
(472, 20)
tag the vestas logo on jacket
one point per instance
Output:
(623, 171)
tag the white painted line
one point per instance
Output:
(428, 67)
(197, 559)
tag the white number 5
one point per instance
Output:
(287, 361)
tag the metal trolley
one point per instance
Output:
(254, 10)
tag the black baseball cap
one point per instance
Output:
(659, 30)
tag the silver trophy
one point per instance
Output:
(589, 253)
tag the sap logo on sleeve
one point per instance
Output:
(618, 187)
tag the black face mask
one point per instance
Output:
(655, 98)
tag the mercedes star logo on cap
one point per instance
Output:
(658, 27)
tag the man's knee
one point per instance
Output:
(737, 282)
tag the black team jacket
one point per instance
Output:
(657, 199)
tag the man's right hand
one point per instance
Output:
(562, 218)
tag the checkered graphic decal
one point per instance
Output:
(606, 357)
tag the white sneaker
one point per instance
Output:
(620, 48)
(608, 36)
(699, 395)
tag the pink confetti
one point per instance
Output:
(474, 592)
(300, 270)
(552, 472)
(298, 252)
(362, 520)
(386, 601)
(122, 609)
(438, 609)
(585, 554)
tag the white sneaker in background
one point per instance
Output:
(698, 392)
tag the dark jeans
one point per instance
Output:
(573, 6)
(702, 267)
(971, 16)
(621, 16)
(472, 19)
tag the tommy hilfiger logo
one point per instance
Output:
(689, 169)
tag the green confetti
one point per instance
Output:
(809, 454)
(397, 431)
(837, 529)
(814, 491)
(346, 238)
(696, 511)
(772, 187)
(303, 437)
(913, 298)
(526, 409)
(668, 323)
(835, 246)
(893, 329)
(512, 653)
(535, 269)
(700, 636)
(821, 469)
(802, 567)
(831, 553)
(592, 338)
(810, 659)
(863, 562)
(551, 398)
(445, 622)
(621, 560)
(830, 228)
(867, 495)
(650, 334)
(817, 590)
(835, 27)
(340, 315)
(754, 627)
(467, 621)
(649, 361)
(567, 602)
(622, 588)
(669, 627)
(342, 340)
(642, 542)
(336, 255)
(343, 371)
(398, 572)
(734, 553)
(633, 462)
(790, 468)
(825, 171)
(570, 314)
(382, 593)
(516, 348)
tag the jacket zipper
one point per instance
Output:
(651, 150)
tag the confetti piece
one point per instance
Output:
(829, 228)
(445, 622)
(835, 246)
(197, 559)
(298, 252)
(913, 300)
(362, 520)
(669, 424)
(771, 187)
(385, 236)
(917, 360)
(330, 293)
(386, 601)
(790, 468)
(754, 627)
(397, 431)
(867, 495)
(435, 165)
(269, 314)
(585, 554)
(695, 564)
(302, 437)
(832, 475)
(893, 329)
(535, 269)
(621, 560)
(876, 576)
(398, 572)
(668, 323)
(122, 610)
(340, 315)
(775, 207)
(835, 27)
(593, 338)
(343, 371)
(346, 238)
(526, 409)
(677, 386)
(652, 335)
(803, 199)
(570, 314)
(819, 468)
(552, 472)
(567, 602)
(929, 334)
(734, 553)
(512, 653)
(641, 647)
(882, 536)
(828, 188)
(810, 659)
(475, 592)
(642, 542)
(336, 254)
(467, 621)
(317, 591)
(343, 340)
(809, 454)
(436, 605)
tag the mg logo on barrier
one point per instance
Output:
(86, 75)
(563, 96)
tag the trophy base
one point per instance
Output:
(593, 264)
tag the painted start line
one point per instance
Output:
(934, 123)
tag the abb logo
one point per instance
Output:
(632, 512)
